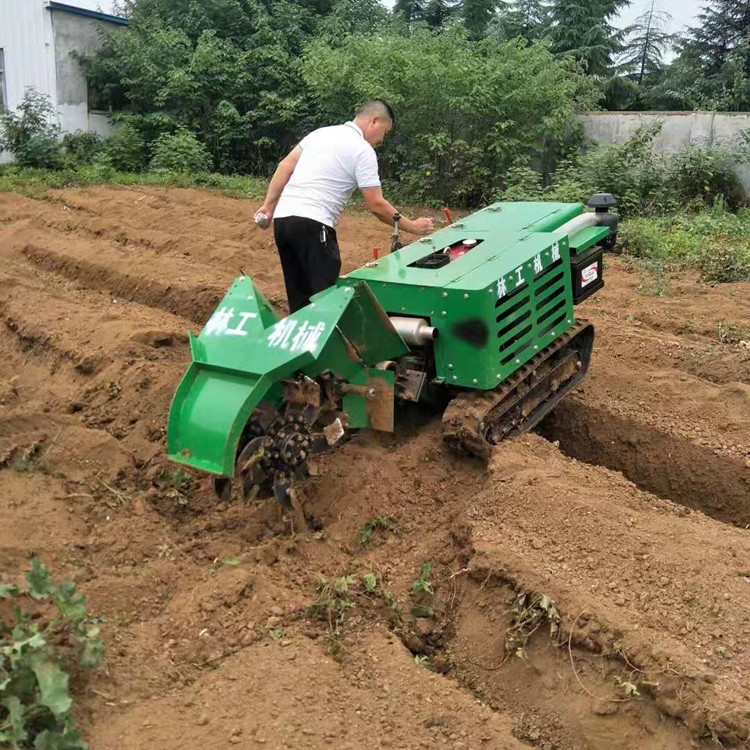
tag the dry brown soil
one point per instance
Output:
(629, 509)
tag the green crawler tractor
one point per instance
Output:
(482, 312)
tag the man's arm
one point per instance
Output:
(278, 182)
(379, 206)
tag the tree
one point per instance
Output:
(437, 12)
(582, 29)
(32, 132)
(227, 70)
(529, 19)
(409, 11)
(476, 16)
(725, 25)
(647, 44)
(712, 70)
(466, 112)
(353, 17)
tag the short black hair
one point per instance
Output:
(389, 109)
(380, 105)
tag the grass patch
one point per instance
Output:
(714, 242)
(35, 183)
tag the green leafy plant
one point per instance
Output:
(40, 643)
(180, 152)
(384, 523)
(124, 150)
(628, 687)
(81, 148)
(528, 614)
(423, 583)
(32, 132)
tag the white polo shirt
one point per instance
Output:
(334, 161)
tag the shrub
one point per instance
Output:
(725, 263)
(715, 242)
(31, 133)
(180, 152)
(125, 149)
(705, 173)
(80, 147)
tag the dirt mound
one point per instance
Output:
(545, 600)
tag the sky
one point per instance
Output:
(683, 12)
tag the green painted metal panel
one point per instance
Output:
(376, 410)
(586, 238)
(243, 350)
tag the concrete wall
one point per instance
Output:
(75, 34)
(679, 130)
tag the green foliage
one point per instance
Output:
(643, 181)
(647, 44)
(227, 70)
(466, 112)
(338, 596)
(374, 524)
(476, 16)
(583, 30)
(423, 583)
(32, 133)
(35, 182)
(37, 649)
(528, 19)
(529, 613)
(124, 150)
(714, 242)
(81, 148)
(180, 152)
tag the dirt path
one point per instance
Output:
(629, 510)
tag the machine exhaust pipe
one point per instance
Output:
(414, 331)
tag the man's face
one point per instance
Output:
(378, 128)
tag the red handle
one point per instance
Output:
(375, 252)
(448, 215)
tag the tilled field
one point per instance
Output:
(629, 509)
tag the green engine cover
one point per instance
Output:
(497, 305)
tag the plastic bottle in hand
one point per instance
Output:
(261, 220)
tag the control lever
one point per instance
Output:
(395, 242)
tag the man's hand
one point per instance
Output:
(379, 206)
(268, 211)
(422, 226)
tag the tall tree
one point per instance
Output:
(437, 12)
(583, 29)
(725, 25)
(476, 15)
(647, 43)
(409, 11)
(529, 19)
(712, 70)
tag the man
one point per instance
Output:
(308, 192)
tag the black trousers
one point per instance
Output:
(309, 256)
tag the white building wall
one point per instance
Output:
(33, 57)
(28, 45)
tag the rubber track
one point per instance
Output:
(464, 418)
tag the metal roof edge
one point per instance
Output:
(88, 13)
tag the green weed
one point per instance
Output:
(384, 523)
(39, 645)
